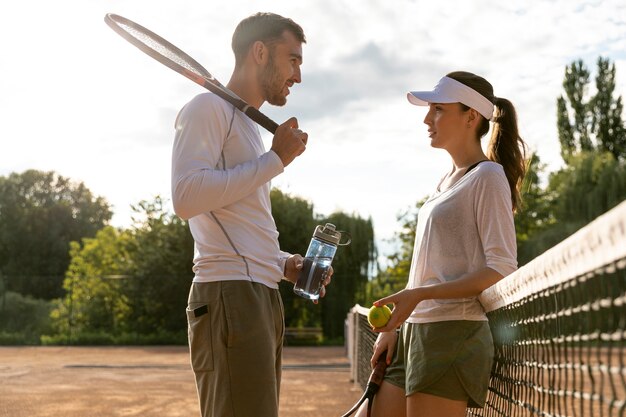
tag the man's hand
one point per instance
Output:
(293, 266)
(289, 142)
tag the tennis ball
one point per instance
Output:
(379, 316)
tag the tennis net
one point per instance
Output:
(559, 329)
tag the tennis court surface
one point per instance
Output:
(154, 381)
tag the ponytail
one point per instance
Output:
(507, 148)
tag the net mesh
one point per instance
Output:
(558, 325)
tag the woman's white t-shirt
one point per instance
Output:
(462, 229)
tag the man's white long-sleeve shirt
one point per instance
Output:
(220, 183)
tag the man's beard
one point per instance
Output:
(272, 84)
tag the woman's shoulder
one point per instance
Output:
(489, 166)
(490, 172)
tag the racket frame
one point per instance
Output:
(202, 77)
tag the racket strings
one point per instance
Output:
(177, 60)
(163, 48)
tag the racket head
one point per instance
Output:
(171, 56)
(160, 49)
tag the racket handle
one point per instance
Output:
(261, 119)
(373, 384)
(379, 370)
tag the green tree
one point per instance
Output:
(136, 281)
(353, 266)
(94, 300)
(162, 261)
(536, 212)
(574, 136)
(295, 222)
(590, 185)
(585, 122)
(593, 146)
(40, 214)
(394, 277)
(606, 112)
(133, 281)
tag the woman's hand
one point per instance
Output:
(385, 341)
(404, 303)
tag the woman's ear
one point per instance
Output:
(472, 117)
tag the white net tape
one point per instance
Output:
(596, 245)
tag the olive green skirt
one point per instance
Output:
(449, 359)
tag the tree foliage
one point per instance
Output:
(129, 281)
(590, 123)
(295, 220)
(395, 275)
(352, 266)
(606, 112)
(136, 281)
(592, 184)
(40, 214)
(162, 260)
(94, 299)
(593, 146)
(535, 213)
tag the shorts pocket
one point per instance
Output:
(199, 334)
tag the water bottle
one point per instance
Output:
(317, 261)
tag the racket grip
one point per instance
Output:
(378, 373)
(261, 119)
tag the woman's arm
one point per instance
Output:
(405, 301)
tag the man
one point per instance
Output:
(220, 183)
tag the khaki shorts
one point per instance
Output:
(449, 359)
(236, 331)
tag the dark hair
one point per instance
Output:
(506, 147)
(265, 27)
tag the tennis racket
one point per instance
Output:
(174, 58)
(372, 387)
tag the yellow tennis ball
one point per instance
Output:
(379, 316)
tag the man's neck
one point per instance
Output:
(245, 85)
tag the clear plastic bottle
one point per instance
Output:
(317, 260)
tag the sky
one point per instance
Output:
(77, 99)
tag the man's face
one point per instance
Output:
(282, 70)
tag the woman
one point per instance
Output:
(440, 360)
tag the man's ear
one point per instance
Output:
(259, 52)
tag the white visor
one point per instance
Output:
(449, 90)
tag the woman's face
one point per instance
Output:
(447, 124)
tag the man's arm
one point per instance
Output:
(199, 183)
